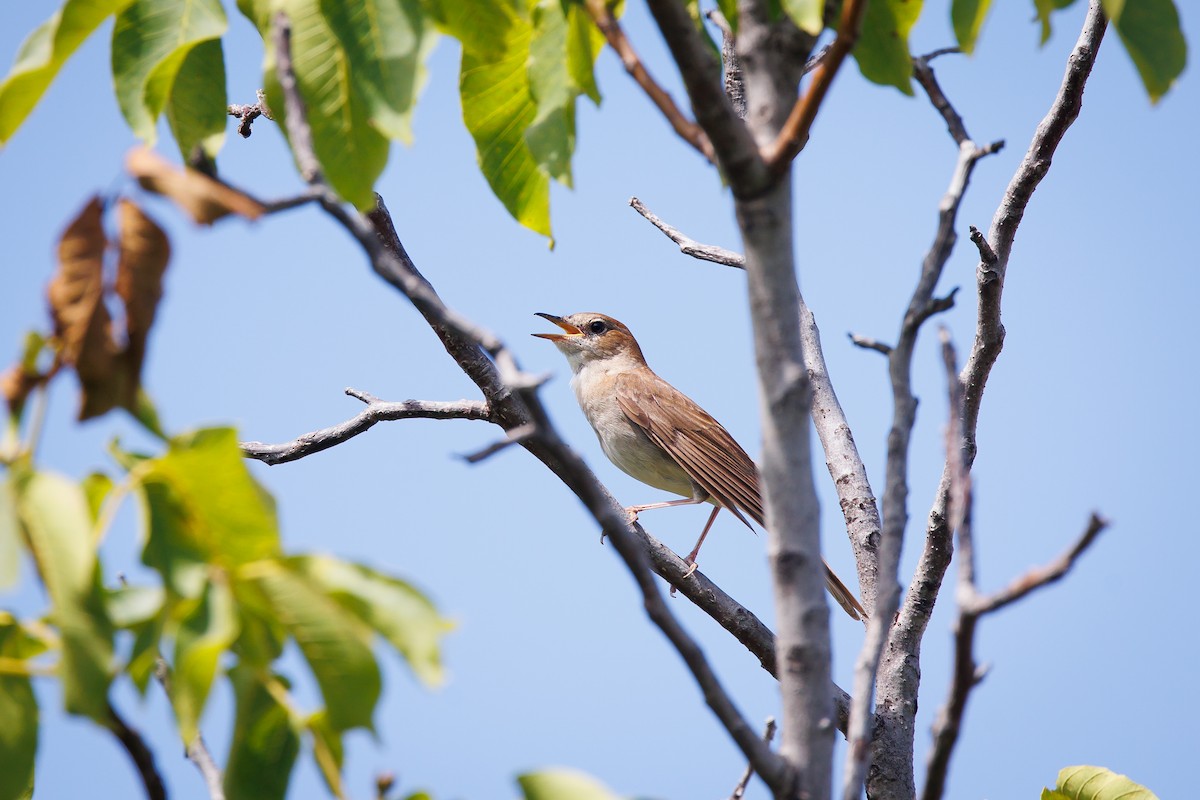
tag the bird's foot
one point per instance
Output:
(691, 567)
(631, 514)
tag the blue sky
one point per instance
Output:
(1091, 406)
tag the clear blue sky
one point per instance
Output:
(1092, 406)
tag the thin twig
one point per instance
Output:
(248, 113)
(376, 411)
(687, 245)
(688, 130)
(739, 791)
(515, 436)
(196, 751)
(794, 135)
(924, 76)
(139, 753)
(867, 343)
(514, 402)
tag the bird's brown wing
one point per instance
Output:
(710, 456)
(712, 459)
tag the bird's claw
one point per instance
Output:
(691, 568)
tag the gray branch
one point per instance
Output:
(375, 412)
(687, 245)
(899, 671)
(512, 397)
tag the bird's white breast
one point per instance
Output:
(625, 444)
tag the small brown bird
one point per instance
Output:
(657, 434)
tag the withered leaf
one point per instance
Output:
(204, 199)
(82, 323)
(145, 252)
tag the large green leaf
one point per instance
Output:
(335, 644)
(807, 14)
(391, 607)
(151, 40)
(386, 43)
(498, 108)
(351, 150)
(1095, 783)
(1150, 31)
(328, 751)
(44, 52)
(203, 507)
(882, 50)
(264, 745)
(563, 784)
(481, 26)
(18, 716)
(967, 17)
(202, 637)
(196, 112)
(54, 515)
(551, 135)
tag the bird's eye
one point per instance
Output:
(597, 326)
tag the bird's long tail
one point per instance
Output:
(843, 595)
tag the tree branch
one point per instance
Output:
(794, 136)
(966, 674)
(689, 131)
(514, 402)
(248, 113)
(195, 750)
(376, 411)
(139, 753)
(899, 681)
(687, 245)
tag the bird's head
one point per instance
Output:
(589, 338)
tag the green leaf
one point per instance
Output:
(1150, 31)
(1044, 8)
(391, 607)
(130, 606)
(1096, 783)
(334, 643)
(482, 26)
(203, 636)
(265, 743)
(563, 784)
(54, 515)
(96, 487)
(44, 52)
(151, 40)
(18, 717)
(328, 752)
(729, 10)
(197, 115)
(10, 537)
(807, 14)
(203, 507)
(882, 50)
(386, 43)
(498, 108)
(968, 17)
(584, 43)
(144, 656)
(551, 135)
(143, 407)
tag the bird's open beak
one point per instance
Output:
(570, 329)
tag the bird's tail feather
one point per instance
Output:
(845, 598)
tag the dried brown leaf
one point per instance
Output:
(145, 251)
(203, 198)
(16, 383)
(82, 324)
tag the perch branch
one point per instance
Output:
(689, 131)
(687, 245)
(514, 402)
(794, 135)
(376, 411)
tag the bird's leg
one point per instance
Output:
(633, 511)
(691, 557)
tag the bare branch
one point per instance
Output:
(515, 436)
(1041, 576)
(688, 130)
(794, 136)
(739, 791)
(139, 753)
(514, 402)
(925, 77)
(735, 87)
(196, 751)
(376, 411)
(867, 343)
(687, 245)
(248, 113)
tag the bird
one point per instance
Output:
(655, 433)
